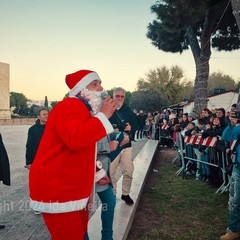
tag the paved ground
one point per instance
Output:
(15, 214)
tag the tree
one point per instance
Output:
(19, 101)
(54, 103)
(34, 109)
(159, 88)
(218, 80)
(46, 102)
(188, 90)
(66, 95)
(236, 11)
(147, 100)
(183, 23)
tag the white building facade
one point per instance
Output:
(223, 100)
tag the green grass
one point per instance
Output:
(179, 209)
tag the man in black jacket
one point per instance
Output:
(141, 117)
(35, 133)
(125, 121)
(4, 167)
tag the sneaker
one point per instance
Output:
(2, 226)
(127, 199)
(37, 212)
(230, 236)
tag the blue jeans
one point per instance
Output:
(234, 201)
(204, 167)
(108, 200)
(140, 133)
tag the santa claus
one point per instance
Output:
(61, 177)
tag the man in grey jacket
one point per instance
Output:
(103, 186)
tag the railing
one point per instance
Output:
(188, 151)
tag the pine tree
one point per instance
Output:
(46, 102)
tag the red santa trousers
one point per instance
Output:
(65, 226)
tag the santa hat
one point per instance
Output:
(79, 80)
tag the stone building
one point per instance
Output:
(5, 112)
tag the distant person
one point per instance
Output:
(206, 114)
(141, 117)
(126, 121)
(35, 133)
(220, 113)
(227, 116)
(4, 167)
(62, 174)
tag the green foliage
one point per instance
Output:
(227, 35)
(165, 40)
(174, 17)
(110, 92)
(148, 101)
(46, 102)
(161, 87)
(219, 80)
(54, 103)
(34, 109)
(19, 102)
(66, 95)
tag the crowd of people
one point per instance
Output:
(224, 127)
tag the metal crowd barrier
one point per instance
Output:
(186, 150)
(164, 134)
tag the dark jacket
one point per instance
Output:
(35, 133)
(4, 164)
(127, 116)
(141, 120)
(213, 132)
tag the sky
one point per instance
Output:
(44, 40)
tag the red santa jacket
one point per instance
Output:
(62, 174)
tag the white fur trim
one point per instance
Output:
(100, 174)
(57, 207)
(83, 83)
(107, 125)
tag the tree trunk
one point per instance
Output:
(236, 13)
(194, 44)
(202, 64)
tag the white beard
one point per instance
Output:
(93, 98)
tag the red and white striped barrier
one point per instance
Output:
(232, 144)
(165, 127)
(198, 140)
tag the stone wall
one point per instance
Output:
(5, 112)
(18, 121)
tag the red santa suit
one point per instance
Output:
(62, 174)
